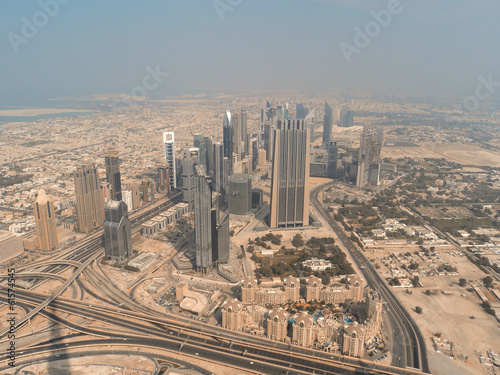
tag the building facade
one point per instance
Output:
(112, 163)
(202, 220)
(290, 175)
(89, 198)
(117, 231)
(45, 219)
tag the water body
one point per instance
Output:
(7, 119)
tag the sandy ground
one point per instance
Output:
(449, 315)
(461, 153)
(98, 365)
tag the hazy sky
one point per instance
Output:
(104, 46)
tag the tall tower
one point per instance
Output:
(186, 168)
(89, 198)
(202, 219)
(327, 124)
(333, 152)
(227, 135)
(290, 175)
(117, 231)
(45, 219)
(370, 146)
(112, 162)
(219, 172)
(169, 154)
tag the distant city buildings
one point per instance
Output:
(112, 163)
(290, 175)
(89, 198)
(117, 231)
(45, 218)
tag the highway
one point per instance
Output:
(210, 343)
(140, 326)
(407, 342)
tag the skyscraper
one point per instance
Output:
(112, 162)
(220, 232)
(327, 124)
(202, 220)
(300, 111)
(117, 231)
(89, 198)
(290, 175)
(333, 152)
(169, 154)
(227, 135)
(148, 190)
(186, 169)
(370, 146)
(240, 194)
(164, 179)
(45, 219)
(346, 118)
(219, 175)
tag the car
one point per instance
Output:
(196, 353)
(251, 363)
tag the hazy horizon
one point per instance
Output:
(437, 47)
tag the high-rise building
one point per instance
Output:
(148, 190)
(169, 154)
(117, 231)
(370, 146)
(240, 194)
(227, 135)
(310, 123)
(202, 219)
(127, 199)
(346, 118)
(136, 196)
(300, 111)
(290, 175)
(327, 124)
(89, 198)
(268, 140)
(164, 179)
(239, 132)
(262, 158)
(45, 219)
(186, 173)
(220, 232)
(218, 166)
(112, 162)
(333, 154)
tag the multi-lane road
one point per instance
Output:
(407, 341)
(135, 325)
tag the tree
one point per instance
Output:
(488, 281)
(297, 240)
(462, 282)
(418, 310)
